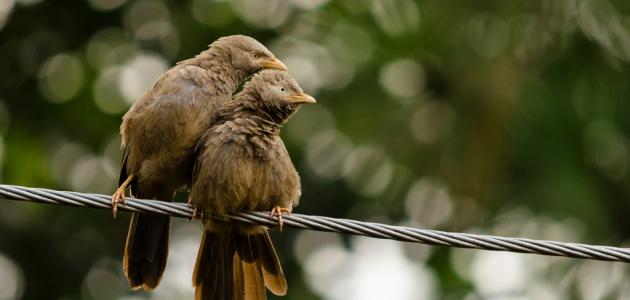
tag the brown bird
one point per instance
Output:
(159, 134)
(242, 164)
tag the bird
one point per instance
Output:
(242, 164)
(159, 135)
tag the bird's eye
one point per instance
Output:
(255, 55)
(282, 89)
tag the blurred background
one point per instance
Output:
(497, 117)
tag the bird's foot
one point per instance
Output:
(118, 197)
(278, 211)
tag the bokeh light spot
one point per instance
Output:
(350, 43)
(488, 35)
(429, 203)
(12, 279)
(601, 22)
(83, 173)
(109, 46)
(264, 14)
(139, 74)
(6, 7)
(183, 247)
(143, 12)
(368, 170)
(396, 17)
(496, 273)
(106, 94)
(589, 279)
(64, 156)
(36, 48)
(371, 269)
(104, 281)
(154, 30)
(322, 264)
(150, 22)
(309, 122)
(75, 166)
(106, 5)
(313, 65)
(309, 241)
(304, 71)
(308, 4)
(61, 77)
(326, 152)
(432, 122)
(402, 78)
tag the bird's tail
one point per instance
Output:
(146, 249)
(237, 266)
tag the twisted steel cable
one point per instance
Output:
(320, 223)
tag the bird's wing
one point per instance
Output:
(123, 171)
(219, 175)
(165, 112)
(199, 148)
(284, 174)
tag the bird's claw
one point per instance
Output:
(118, 197)
(278, 211)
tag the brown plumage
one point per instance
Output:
(242, 164)
(159, 134)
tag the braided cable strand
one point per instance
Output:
(319, 223)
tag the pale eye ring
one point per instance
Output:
(282, 89)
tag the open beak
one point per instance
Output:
(274, 64)
(302, 99)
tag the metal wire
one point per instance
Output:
(319, 223)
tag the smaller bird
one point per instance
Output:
(242, 164)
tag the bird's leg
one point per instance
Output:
(278, 211)
(119, 195)
(196, 213)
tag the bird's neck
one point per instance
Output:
(222, 76)
(266, 116)
(266, 111)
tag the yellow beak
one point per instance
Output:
(302, 99)
(274, 64)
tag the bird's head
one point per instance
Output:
(277, 94)
(277, 87)
(249, 55)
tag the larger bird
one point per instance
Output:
(159, 134)
(242, 164)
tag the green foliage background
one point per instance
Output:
(502, 117)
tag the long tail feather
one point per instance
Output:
(146, 249)
(212, 276)
(235, 266)
(271, 269)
